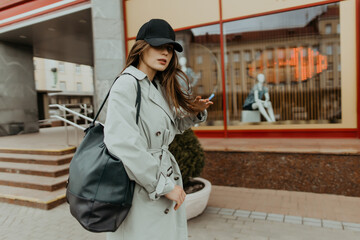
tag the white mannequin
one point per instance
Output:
(182, 62)
(193, 77)
(260, 104)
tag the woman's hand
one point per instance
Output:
(178, 195)
(201, 104)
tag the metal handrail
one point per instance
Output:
(61, 107)
(76, 116)
(67, 121)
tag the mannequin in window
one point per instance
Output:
(254, 99)
(193, 77)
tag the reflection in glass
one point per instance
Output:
(200, 61)
(255, 105)
(298, 52)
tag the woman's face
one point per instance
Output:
(158, 58)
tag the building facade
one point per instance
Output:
(62, 76)
(64, 83)
(308, 52)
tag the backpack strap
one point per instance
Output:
(137, 103)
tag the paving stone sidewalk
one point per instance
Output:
(223, 223)
(24, 223)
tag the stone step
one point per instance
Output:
(36, 158)
(39, 151)
(32, 197)
(35, 169)
(33, 182)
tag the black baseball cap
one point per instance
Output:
(157, 32)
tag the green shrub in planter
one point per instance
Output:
(189, 154)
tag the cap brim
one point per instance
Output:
(155, 42)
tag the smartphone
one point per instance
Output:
(212, 96)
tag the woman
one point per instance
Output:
(157, 212)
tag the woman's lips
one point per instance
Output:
(162, 61)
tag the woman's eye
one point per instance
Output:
(169, 48)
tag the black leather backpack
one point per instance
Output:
(99, 190)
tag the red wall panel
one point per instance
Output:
(18, 7)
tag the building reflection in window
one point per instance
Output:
(299, 54)
(200, 60)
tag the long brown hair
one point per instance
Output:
(177, 97)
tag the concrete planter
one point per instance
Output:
(196, 202)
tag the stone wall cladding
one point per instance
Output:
(18, 96)
(306, 172)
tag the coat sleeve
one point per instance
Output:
(184, 123)
(123, 139)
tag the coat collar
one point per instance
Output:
(135, 72)
(159, 98)
(156, 95)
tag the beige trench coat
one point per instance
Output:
(143, 148)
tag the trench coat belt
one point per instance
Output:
(164, 173)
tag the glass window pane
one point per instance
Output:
(201, 62)
(63, 86)
(329, 50)
(289, 67)
(77, 68)
(328, 28)
(79, 87)
(236, 57)
(61, 67)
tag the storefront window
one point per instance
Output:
(287, 68)
(201, 61)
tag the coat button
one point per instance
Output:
(166, 211)
(176, 178)
(158, 133)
